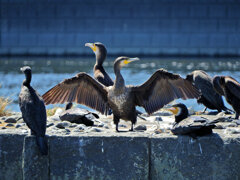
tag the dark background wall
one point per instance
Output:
(151, 27)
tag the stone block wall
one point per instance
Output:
(148, 27)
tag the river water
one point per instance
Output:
(47, 72)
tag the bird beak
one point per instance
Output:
(174, 110)
(131, 60)
(92, 46)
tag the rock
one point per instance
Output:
(81, 127)
(54, 118)
(10, 120)
(9, 125)
(58, 111)
(94, 130)
(224, 125)
(49, 124)
(158, 118)
(237, 122)
(141, 128)
(79, 116)
(73, 125)
(232, 130)
(3, 128)
(18, 126)
(62, 125)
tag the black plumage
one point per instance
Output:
(230, 88)
(33, 110)
(193, 126)
(161, 88)
(209, 97)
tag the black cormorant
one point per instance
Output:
(160, 89)
(193, 125)
(209, 97)
(33, 110)
(230, 88)
(99, 73)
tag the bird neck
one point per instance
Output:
(119, 82)
(181, 117)
(28, 79)
(100, 57)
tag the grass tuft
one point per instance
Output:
(4, 102)
(51, 112)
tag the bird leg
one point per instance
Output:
(131, 127)
(116, 121)
(204, 110)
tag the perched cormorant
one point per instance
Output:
(209, 97)
(193, 126)
(33, 110)
(160, 89)
(99, 73)
(230, 88)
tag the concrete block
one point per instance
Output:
(189, 25)
(208, 157)
(103, 11)
(99, 157)
(35, 166)
(141, 39)
(11, 146)
(67, 39)
(161, 40)
(233, 10)
(117, 25)
(83, 38)
(46, 10)
(16, 25)
(218, 11)
(121, 39)
(9, 39)
(217, 40)
(233, 40)
(27, 39)
(180, 11)
(46, 39)
(199, 40)
(169, 25)
(198, 11)
(228, 26)
(208, 25)
(180, 40)
(66, 10)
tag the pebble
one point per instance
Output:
(158, 118)
(232, 130)
(94, 130)
(62, 125)
(141, 128)
(9, 125)
(10, 120)
(50, 124)
(81, 127)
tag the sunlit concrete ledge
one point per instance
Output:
(121, 156)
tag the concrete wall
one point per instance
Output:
(191, 27)
(121, 156)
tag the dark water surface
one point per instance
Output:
(47, 72)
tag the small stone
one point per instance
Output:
(73, 125)
(100, 125)
(158, 118)
(141, 128)
(94, 130)
(81, 127)
(106, 126)
(237, 122)
(3, 128)
(10, 120)
(18, 126)
(67, 130)
(50, 124)
(9, 125)
(62, 125)
(232, 130)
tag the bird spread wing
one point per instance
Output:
(233, 86)
(161, 88)
(82, 89)
(103, 77)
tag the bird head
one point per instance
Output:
(26, 69)
(96, 47)
(180, 111)
(122, 61)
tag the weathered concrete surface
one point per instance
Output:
(99, 157)
(34, 166)
(11, 146)
(180, 157)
